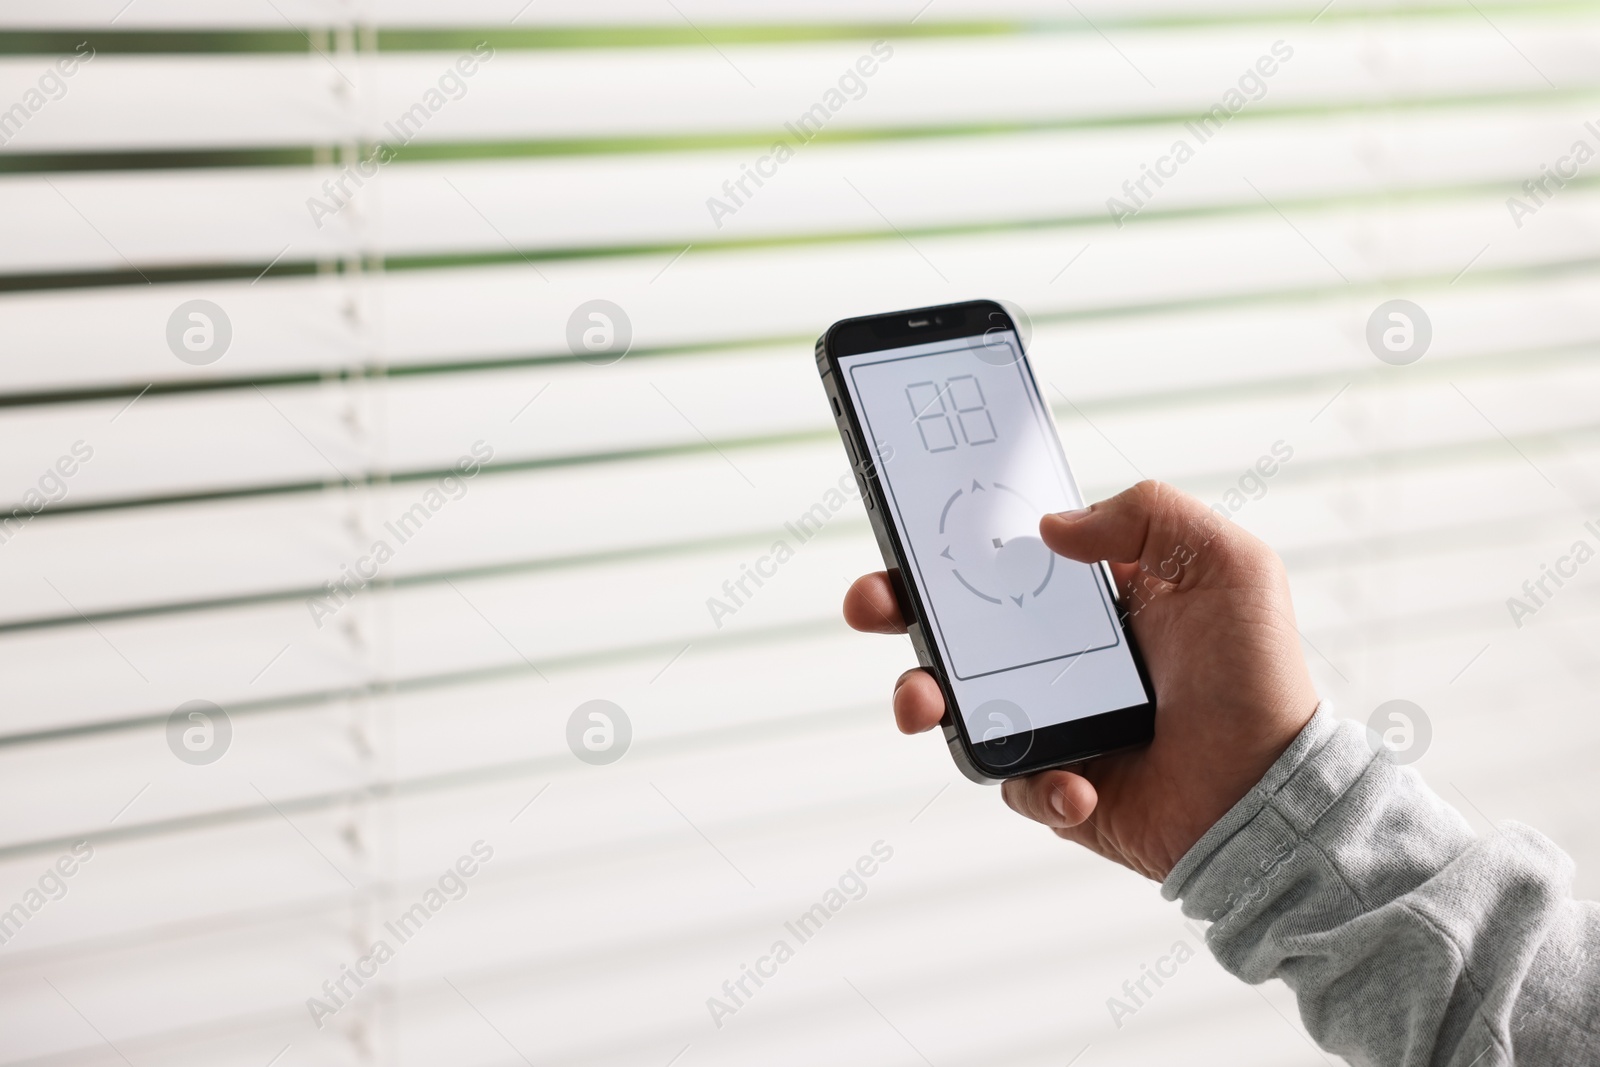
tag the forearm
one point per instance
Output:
(1407, 940)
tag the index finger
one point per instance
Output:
(870, 606)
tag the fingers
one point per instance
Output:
(870, 606)
(1058, 799)
(918, 703)
(1166, 532)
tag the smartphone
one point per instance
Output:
(957, 457)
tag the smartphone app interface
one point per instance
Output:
(969, 459)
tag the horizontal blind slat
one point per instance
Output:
(134, 103)
(258, 216)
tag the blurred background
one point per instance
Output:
(285, 281)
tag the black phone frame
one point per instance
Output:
(1057, 745)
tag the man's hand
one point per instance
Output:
(1210, 608)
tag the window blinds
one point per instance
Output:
(386, 217)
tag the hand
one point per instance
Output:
(1210, 609)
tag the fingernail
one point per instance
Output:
(1074, 515)
(1058, 801)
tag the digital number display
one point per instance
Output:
(948, 408)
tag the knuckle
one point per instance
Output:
(1150, 492)
(1032, 794)
(1018, 797)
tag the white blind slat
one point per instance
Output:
(252, 217)
(127, 103)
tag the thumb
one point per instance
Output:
(1166, 532)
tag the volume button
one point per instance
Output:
(855, 469)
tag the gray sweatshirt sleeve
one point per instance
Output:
(1407, 940)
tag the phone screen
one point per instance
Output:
(969, 460)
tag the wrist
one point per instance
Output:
(1227, 779)
(1236, 824)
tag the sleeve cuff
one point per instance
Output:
(1333, 829)
(1258, 831)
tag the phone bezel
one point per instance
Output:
(1051, 746)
